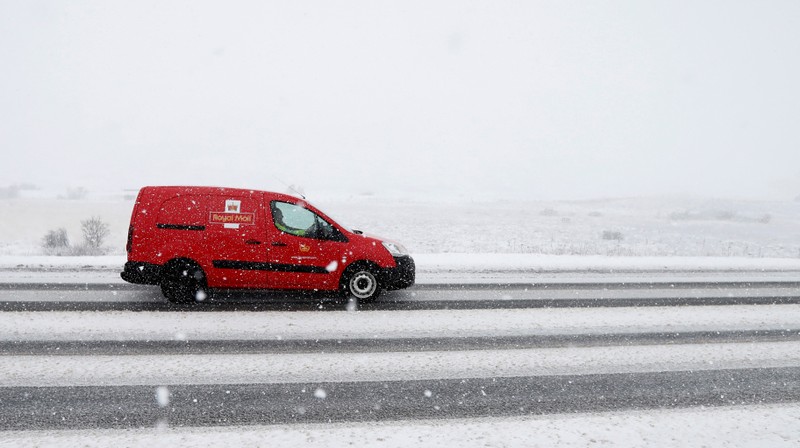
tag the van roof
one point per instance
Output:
(194, 189)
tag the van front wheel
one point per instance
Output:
(361, 284)
(184, 282)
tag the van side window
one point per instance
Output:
(299, 221)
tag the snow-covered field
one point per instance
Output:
(613, 227)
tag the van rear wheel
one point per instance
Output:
(362, 284)
(184, 282)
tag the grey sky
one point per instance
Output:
(553, 100)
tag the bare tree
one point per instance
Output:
(56, 239)
(94, 231)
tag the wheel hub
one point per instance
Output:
(363, 285)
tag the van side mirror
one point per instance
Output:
(323, 231)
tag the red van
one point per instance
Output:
(192, 239)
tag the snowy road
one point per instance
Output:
(619, 350)
(78, 356)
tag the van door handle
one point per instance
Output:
(278, 244)
(252, 242)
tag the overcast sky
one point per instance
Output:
(532, 99)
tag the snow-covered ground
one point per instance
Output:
(613, 227)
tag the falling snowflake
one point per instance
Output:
(162, 396)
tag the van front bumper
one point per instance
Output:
(141, 273)
(402, 275)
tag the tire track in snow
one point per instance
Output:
(208, 347)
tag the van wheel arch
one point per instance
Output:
(361, 280)
(183, 281)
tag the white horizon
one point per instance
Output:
(529, 100)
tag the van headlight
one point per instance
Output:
(397, 250)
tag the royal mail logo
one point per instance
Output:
(232, 217)
(233, 206)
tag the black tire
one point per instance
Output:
(184, 282)
(361, 283)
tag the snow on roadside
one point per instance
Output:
(538, 262)
(460, 268)
(478, 262)
(339, 325)
(774, 426)
(45, 262)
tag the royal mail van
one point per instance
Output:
(189, 240)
